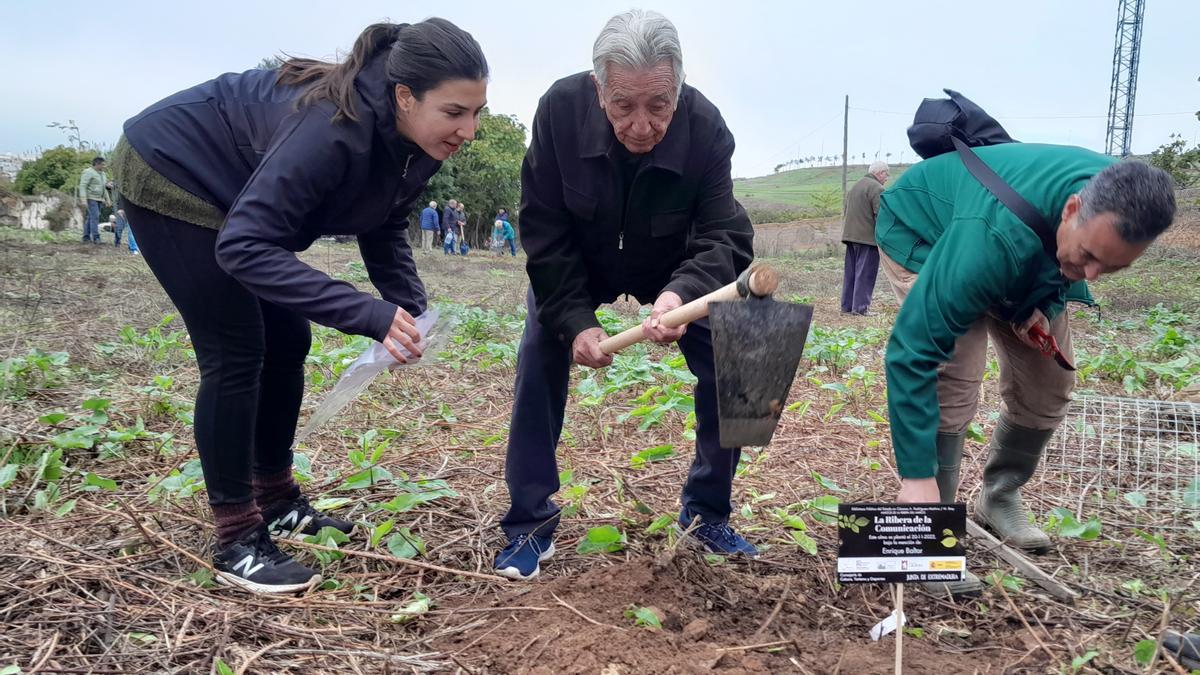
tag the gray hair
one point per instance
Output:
(639, 39)
(877, 167)
(433, 204)
(1142, 197)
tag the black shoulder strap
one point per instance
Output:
(1032, 218)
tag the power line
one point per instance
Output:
(1038, 117)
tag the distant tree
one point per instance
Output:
(74, 138)
(827, 201)
(56, 169)
(269, 63)
(485, 175)
(1176, 159)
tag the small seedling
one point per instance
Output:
(602, 539)
(418, 605)
(646, 617)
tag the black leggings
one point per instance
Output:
(250, 353)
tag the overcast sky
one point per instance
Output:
(777, 70)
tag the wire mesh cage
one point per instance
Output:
(1136, 460)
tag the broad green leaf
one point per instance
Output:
(330, 503)
(827, 504)
(380, 531)
(65, 508)
(52, 418)
(1136, 499)
(92, 480)
(644, 616)
(96, 404)
(11, 670)
(602, 539)
(1143, 651)
(826, 483)
(805, 542)
(406, 502)
(1081, 661)
(975, 433)
(1191, 495)
(655, 454)
(792, 521)
(8, 473)
(419, 605)
(366, 478)
(660, 523)
(222, 667)
(328, 536)
(801, 407)
(405, 544)
(141, 638)
(202, 578)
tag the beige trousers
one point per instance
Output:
(1034, 390)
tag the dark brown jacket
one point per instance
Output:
(862, 206)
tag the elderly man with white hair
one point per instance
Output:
(626, 190)
(858, 234)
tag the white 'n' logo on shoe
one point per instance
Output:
(292, 523)
(248, 566)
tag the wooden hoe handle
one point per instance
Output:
(759, 280)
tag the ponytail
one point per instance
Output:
(420, 56)
(335, 81)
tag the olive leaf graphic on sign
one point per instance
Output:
(853, 523)
(949, 541)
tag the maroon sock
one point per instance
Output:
(234, 520)
(271, 489)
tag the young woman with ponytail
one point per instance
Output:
(224, 182)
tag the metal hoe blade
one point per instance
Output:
(757, 344)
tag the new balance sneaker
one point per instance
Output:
(520, 559)
(717, 537)
(257, 565)
(297, 519)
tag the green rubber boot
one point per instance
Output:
(1013, 457)
(949, 453)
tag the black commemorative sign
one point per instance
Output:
(901, 543)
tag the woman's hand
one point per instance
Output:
(403, 333)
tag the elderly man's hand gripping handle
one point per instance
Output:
(668, 320)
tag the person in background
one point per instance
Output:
(498, 237)
(509, 236)
(429, 225)
(449, 216)
(858, 234)
(94, 189)
(121, 229)
(460, 229)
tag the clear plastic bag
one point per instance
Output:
(371, 363)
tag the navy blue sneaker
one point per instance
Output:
(519, 560)
(717, 537)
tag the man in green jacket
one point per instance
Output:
(858, 234)
(93, 193)
(965, 268)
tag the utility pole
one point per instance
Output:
(845, 148)
(1121, 94)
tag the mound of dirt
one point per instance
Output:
(711, 619)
